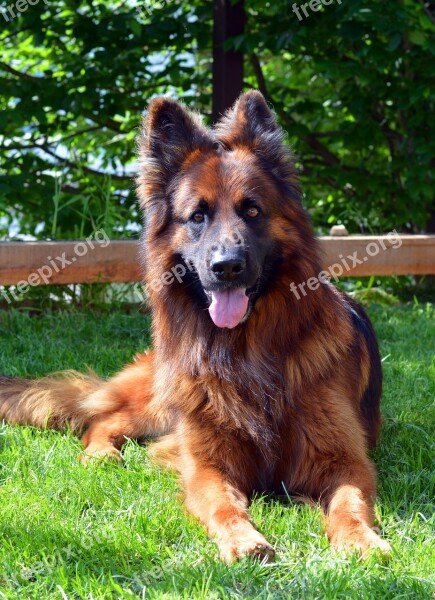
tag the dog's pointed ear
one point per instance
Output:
(170, 133)
(250, 123)
(247, 121)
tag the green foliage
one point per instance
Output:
(75, 78)
(350, 84)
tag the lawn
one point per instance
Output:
(69, 531)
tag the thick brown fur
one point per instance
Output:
(286, 401)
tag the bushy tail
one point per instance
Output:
(54, 401)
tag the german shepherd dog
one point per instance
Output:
(249, 388)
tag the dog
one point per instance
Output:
(248, 388)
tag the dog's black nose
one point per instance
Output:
(229, 268)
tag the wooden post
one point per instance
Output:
(229, 21)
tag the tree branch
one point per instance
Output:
(44, 141)
(110, 123)
(259, 75)
(328, 180)
(19, 74)
(13, 34)
(321, 134)
(427, 11)
(310, 139)
(88, 170)
(74, 190)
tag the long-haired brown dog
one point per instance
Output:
(250, 387)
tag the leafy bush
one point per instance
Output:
(350, 84)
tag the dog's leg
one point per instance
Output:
(334, 469)
(133, 415)
(223, 510)
(105, 437)
(350, 510)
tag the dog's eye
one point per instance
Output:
(198, 216)
(252, 212)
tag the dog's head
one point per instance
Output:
(221, 200)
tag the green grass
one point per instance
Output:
(69, 531)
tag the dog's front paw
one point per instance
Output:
(253, 544)
(93, 455)
(362, 539)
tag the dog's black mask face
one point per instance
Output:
(222, 202)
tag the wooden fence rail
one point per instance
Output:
(63, 262)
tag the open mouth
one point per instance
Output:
(229, 307)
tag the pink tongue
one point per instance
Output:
(228, 308)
